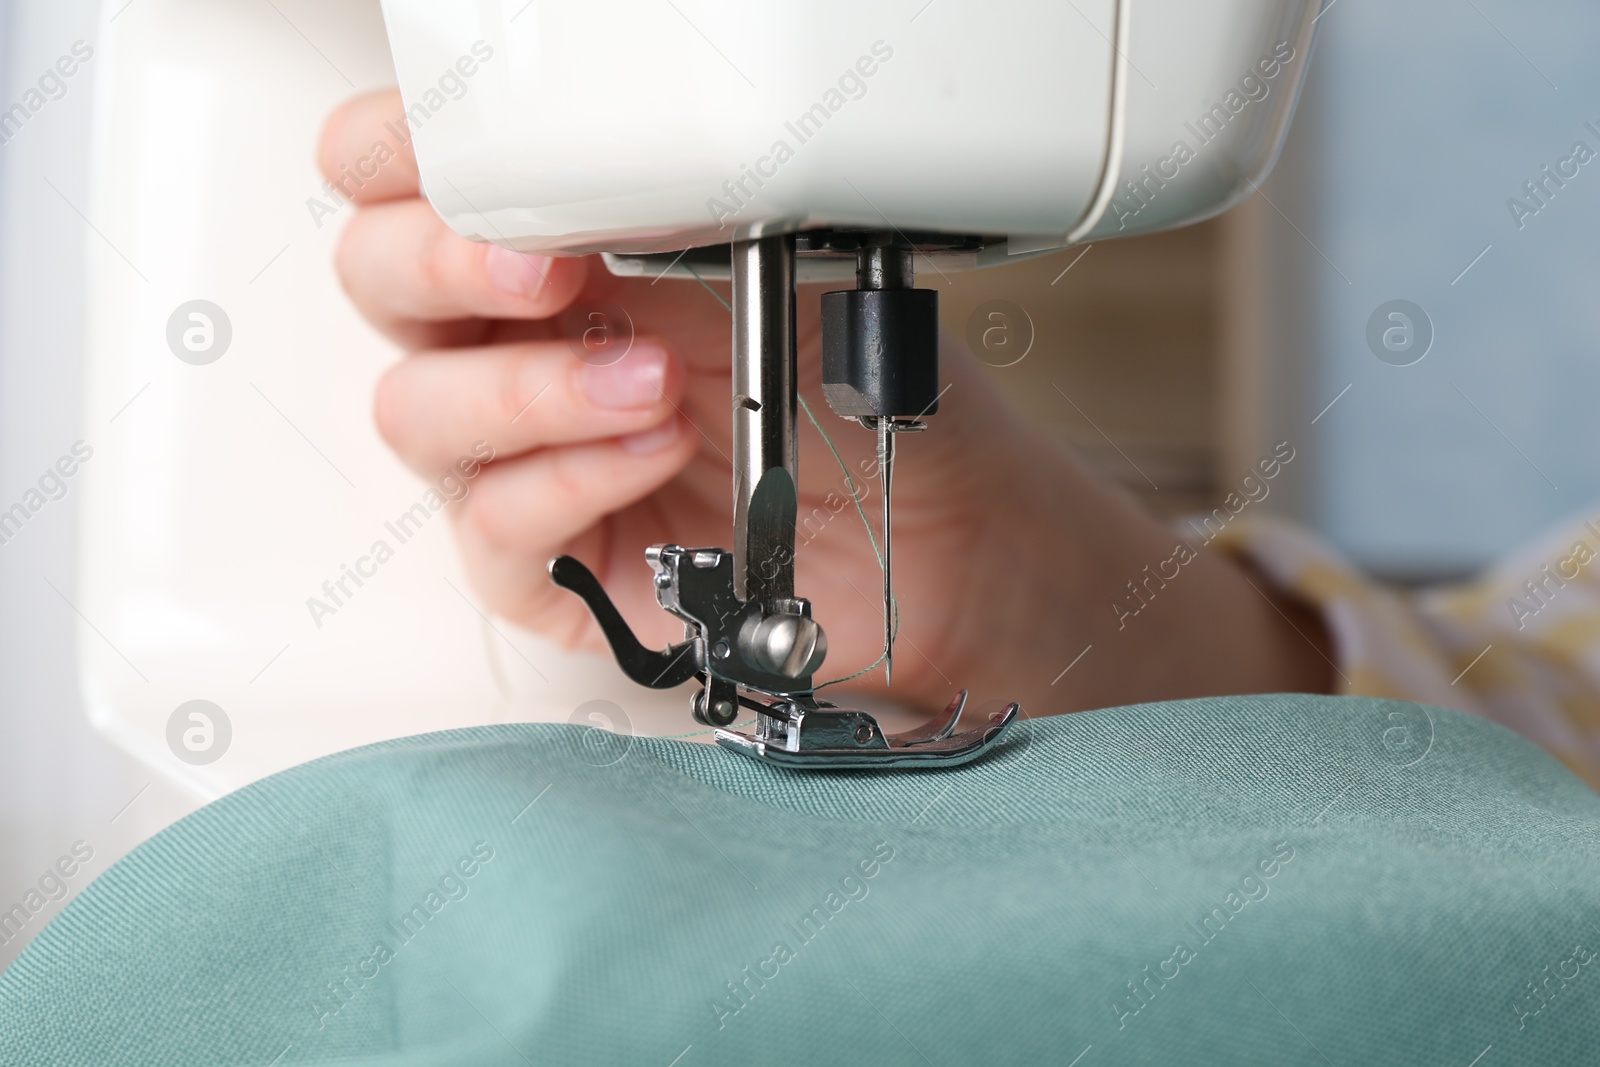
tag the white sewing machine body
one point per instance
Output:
(222, 497)
(631, 126)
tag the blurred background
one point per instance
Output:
(1187, 356)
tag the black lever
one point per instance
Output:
(653, 670)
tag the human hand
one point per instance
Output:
(1006, 551)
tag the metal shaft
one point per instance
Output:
(765, 453)
(886, 468)
(881, 266)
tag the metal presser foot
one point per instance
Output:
(792, 728)
(747, 638)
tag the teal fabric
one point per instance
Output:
(1283, 880)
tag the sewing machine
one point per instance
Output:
(834, 141)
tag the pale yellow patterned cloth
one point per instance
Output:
(1519, 644)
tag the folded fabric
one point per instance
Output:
(1514, 644)
(1283, 879)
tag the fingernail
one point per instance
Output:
(516, 273)
(641, 444)
(634, 381)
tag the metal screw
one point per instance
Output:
(721, 650)
(724, 709)
(787, 644)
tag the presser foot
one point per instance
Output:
(803, 733)
(760, 657)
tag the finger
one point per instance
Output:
(432, 407)
(531, 506)
(365, 149)
(401, 265)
